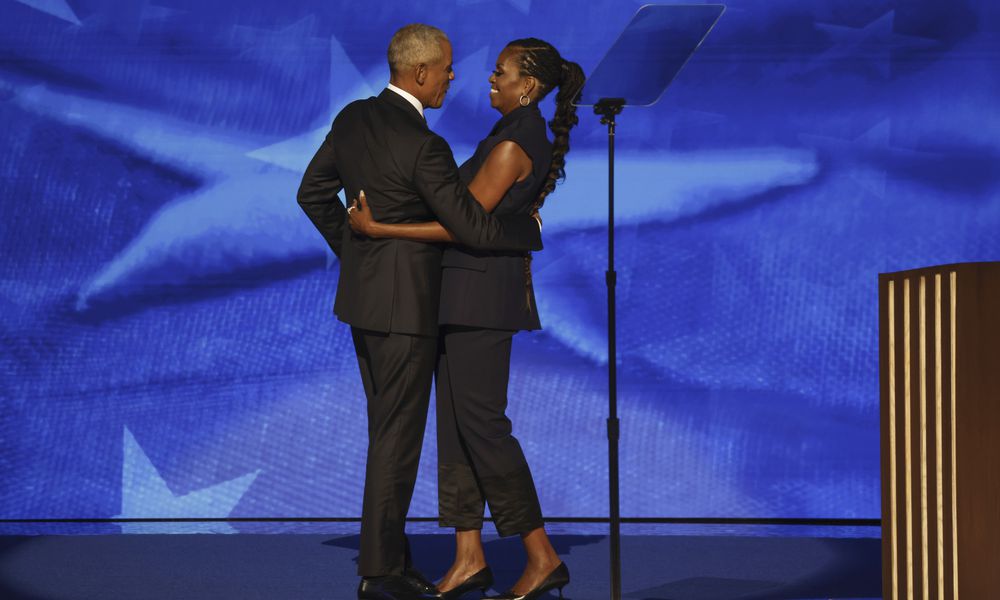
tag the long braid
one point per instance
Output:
(542, 61)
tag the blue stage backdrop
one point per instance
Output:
(168, 347)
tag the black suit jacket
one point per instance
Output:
(489, 288)
(383, 146)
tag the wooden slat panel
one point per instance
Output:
(903, 534)
(887, 411)
(934, 437)
(940, 389)
(923, 505)
(929, 439)
(953, 345)
(913, 557)
(947, 431)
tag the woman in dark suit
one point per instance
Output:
(487, 297)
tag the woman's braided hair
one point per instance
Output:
(540, 59)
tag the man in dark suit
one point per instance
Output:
(389, 289)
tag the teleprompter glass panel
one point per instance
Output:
(649, 53)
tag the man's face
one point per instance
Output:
(439, 76)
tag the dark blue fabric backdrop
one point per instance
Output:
(168, 347)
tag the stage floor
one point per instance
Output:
(300, 566)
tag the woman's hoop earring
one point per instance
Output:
(524, 100)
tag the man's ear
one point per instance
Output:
(420, 74)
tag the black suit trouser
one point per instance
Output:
(479, 460)
(396, 370)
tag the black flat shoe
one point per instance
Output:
(481, 580)
(558, 578)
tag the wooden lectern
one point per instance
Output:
(939, 354)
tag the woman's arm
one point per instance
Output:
(361, 221)
(505, 165)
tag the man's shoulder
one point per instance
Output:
(355, 108)
(434, 143)
(377, 113)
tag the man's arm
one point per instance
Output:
(318, 195)
(437, 182)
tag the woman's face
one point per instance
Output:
(506, 83)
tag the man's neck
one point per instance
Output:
(407, 95)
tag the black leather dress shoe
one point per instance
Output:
(396, 587)
(480, 580)
(428, 585)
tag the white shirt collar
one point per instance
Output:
(408, 97)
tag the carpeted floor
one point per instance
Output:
(310, 566)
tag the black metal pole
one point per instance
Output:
(608, 108)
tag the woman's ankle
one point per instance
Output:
(470, 563)
(469, 551)
(539, 549)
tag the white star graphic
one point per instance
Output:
(56, 8)
(865, 157)
(145, 495)
(870, 46)
(346, 84)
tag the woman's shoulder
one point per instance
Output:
(529, 133)
(530, 126)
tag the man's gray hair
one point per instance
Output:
(415, 44)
